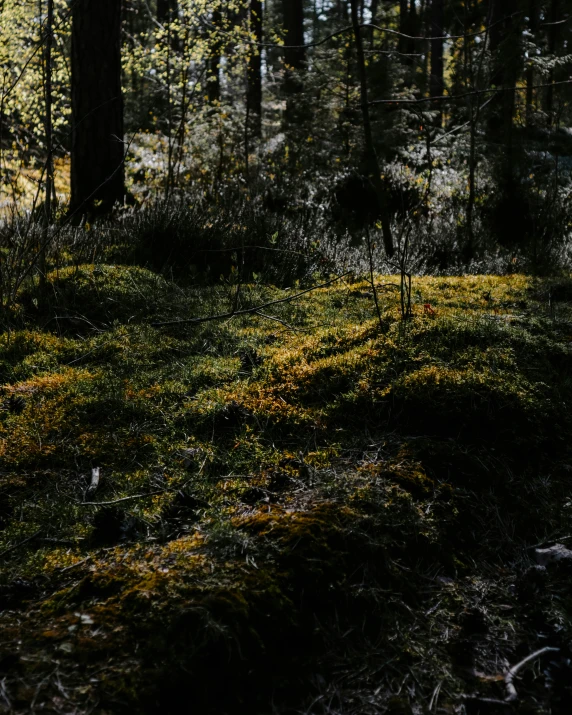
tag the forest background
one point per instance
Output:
(259, 107)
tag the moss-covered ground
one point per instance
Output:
(309, 511)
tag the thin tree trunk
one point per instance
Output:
(254, 89)
(512, 70)
(214, 60)
(436, 82)
(97, 155)
(533, 24)
(412, 29)
(48, 127)
(553, 42)
(403, 25)
(496, 36)
(48, 108)
(474, 113)
(373, 10)
(507, 65)
(372, 162)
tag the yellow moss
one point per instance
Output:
(52, 382)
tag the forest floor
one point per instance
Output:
(308, 509)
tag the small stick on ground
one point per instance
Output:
(76, 564)
(118, 501)
(512, 695)
(278, 320)
(137, 496)
(248, 311)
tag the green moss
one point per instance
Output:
(273, 492)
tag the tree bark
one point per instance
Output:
(436, 82)
(372, 163)
(373, 9)
(48, 122)
(554, 32)
(254, 89)
(97, 154)
(403, 25)
(294, 57)
(507, 66)
(214, 60)
(294, 53)
(48, 129)
(533, 25)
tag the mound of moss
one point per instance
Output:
(309, 506)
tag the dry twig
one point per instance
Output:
(512, 695)
(248, 311)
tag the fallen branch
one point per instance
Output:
(118, 501)
(20, 543)
(167, 490)
(512, 695)
(485, 701)
(77, 563)
(278, 320)
(247, 311)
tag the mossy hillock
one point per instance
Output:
(308, 507)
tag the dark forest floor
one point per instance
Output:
(320, 512)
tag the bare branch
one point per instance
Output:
(472, 93)
(247, 311)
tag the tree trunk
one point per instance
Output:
(506, 49)
(496, 35)
(294, 57)
(403, 25)
(554, 32)
(436, 83)
(294, 52)
(213, 62)
(533, 25)
(97, 154)
(254, 89)
(413, 27)
(48, 127)
(48, 122)
(373, 10)
(372, 163)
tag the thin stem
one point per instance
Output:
(371, 277)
